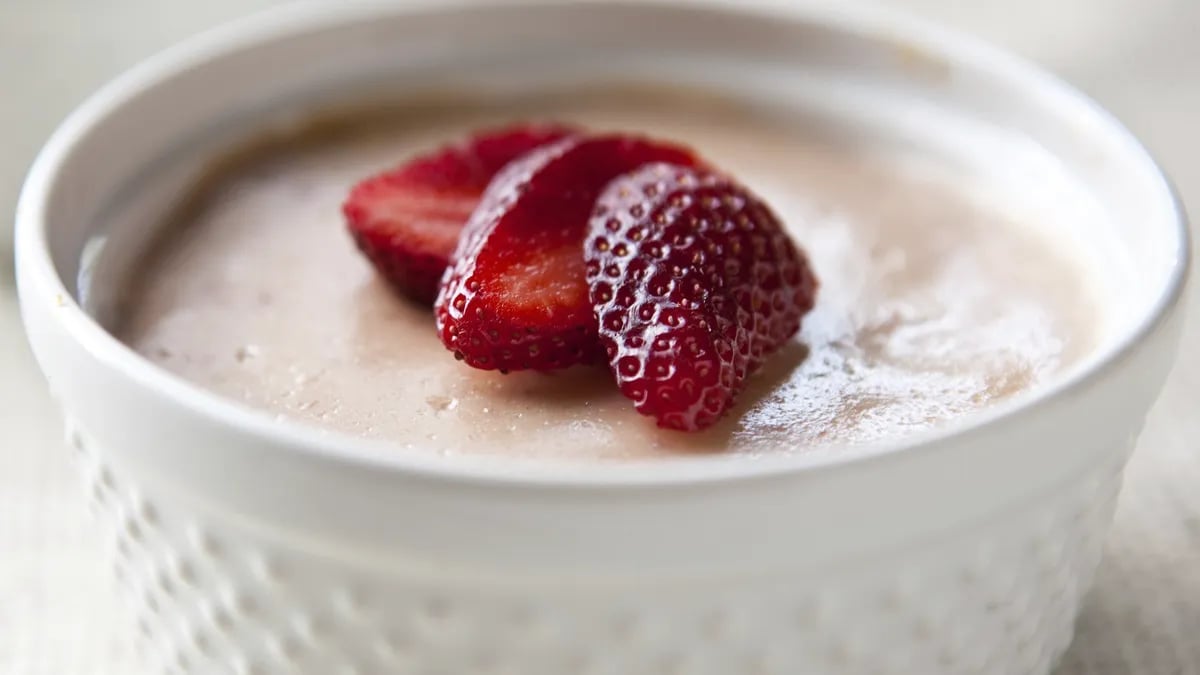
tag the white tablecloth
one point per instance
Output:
(1139, 57)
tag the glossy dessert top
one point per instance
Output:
(933, 303)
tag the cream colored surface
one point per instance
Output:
(933, 304)
(1138, 58)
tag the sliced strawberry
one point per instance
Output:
(694, 282)
(407, 221)
(516, 297)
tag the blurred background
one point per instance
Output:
(1140, 58)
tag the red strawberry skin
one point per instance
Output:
(516, 297)
(694, 283)
(407, 221)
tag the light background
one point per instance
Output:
(1140, 58)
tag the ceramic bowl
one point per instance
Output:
(248, 545)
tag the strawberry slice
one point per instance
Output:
(694, 283)
(407, 221)
(516, 297)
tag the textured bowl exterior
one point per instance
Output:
(212, 595)
(250, 546)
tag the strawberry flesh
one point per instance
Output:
(407, 221)
(516, 297)
(694, 282)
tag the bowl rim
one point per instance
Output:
(35, 263)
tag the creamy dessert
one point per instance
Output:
(933, 302)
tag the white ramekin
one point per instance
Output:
(250, 546)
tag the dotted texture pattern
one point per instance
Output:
(210, 597)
